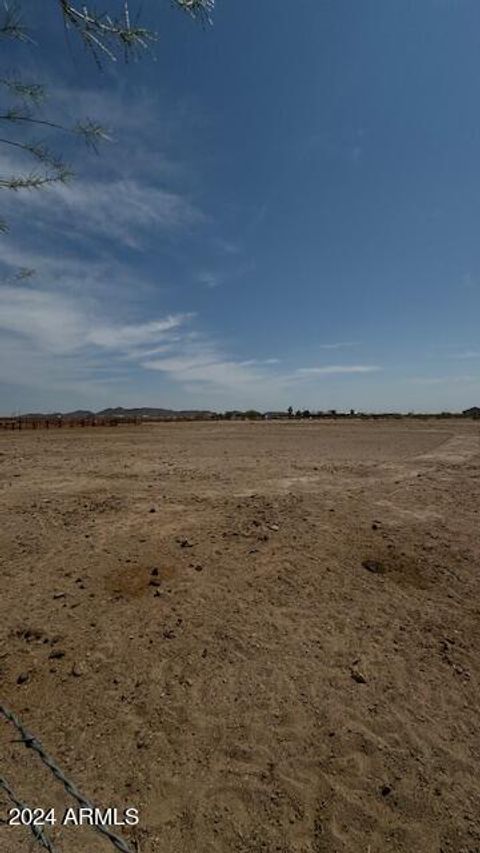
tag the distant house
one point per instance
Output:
(474, 412)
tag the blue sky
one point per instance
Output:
(288, 213)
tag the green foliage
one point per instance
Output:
(105, 37)
(103, 34)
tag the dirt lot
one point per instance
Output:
(188, 629)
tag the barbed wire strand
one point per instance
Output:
(37, 831)
(31, 742)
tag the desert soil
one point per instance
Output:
(264, 636)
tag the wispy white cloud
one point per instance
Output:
(260, 361)
(227, 247)
(441, 380)
(61, 323)
(117, 209)
(228, 274)
(81, 325)
(202, 363)
(121, 337)
(329, 369)
(61, 340)
(467, 354)
(132, 189)
(339, 345)
(52, 322)
(83, 349)
(209, 278)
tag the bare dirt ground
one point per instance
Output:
(188, 628)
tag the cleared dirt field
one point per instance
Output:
(188, 628)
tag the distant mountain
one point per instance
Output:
(145, 412)
(150, 412)
(39, 416)
(142, 412)
(78, 414)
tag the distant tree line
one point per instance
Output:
(58, 421)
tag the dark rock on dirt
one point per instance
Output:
(374, 566)
(56, 654)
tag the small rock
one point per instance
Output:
(274, 527)
(169, 634)
(358, 676)
(77, 670)
(385, 790)
(198, 568)
(59, 595)
(374, 566)
(154, 573)
(154, 582)
(23, 678)
(152, 509)
(56, 654)
(184, 542)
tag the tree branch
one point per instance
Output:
(28, 91)
(12, 25)
(101, 32)
(34, 180)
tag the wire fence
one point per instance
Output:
(37, 831)
(31, 742)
